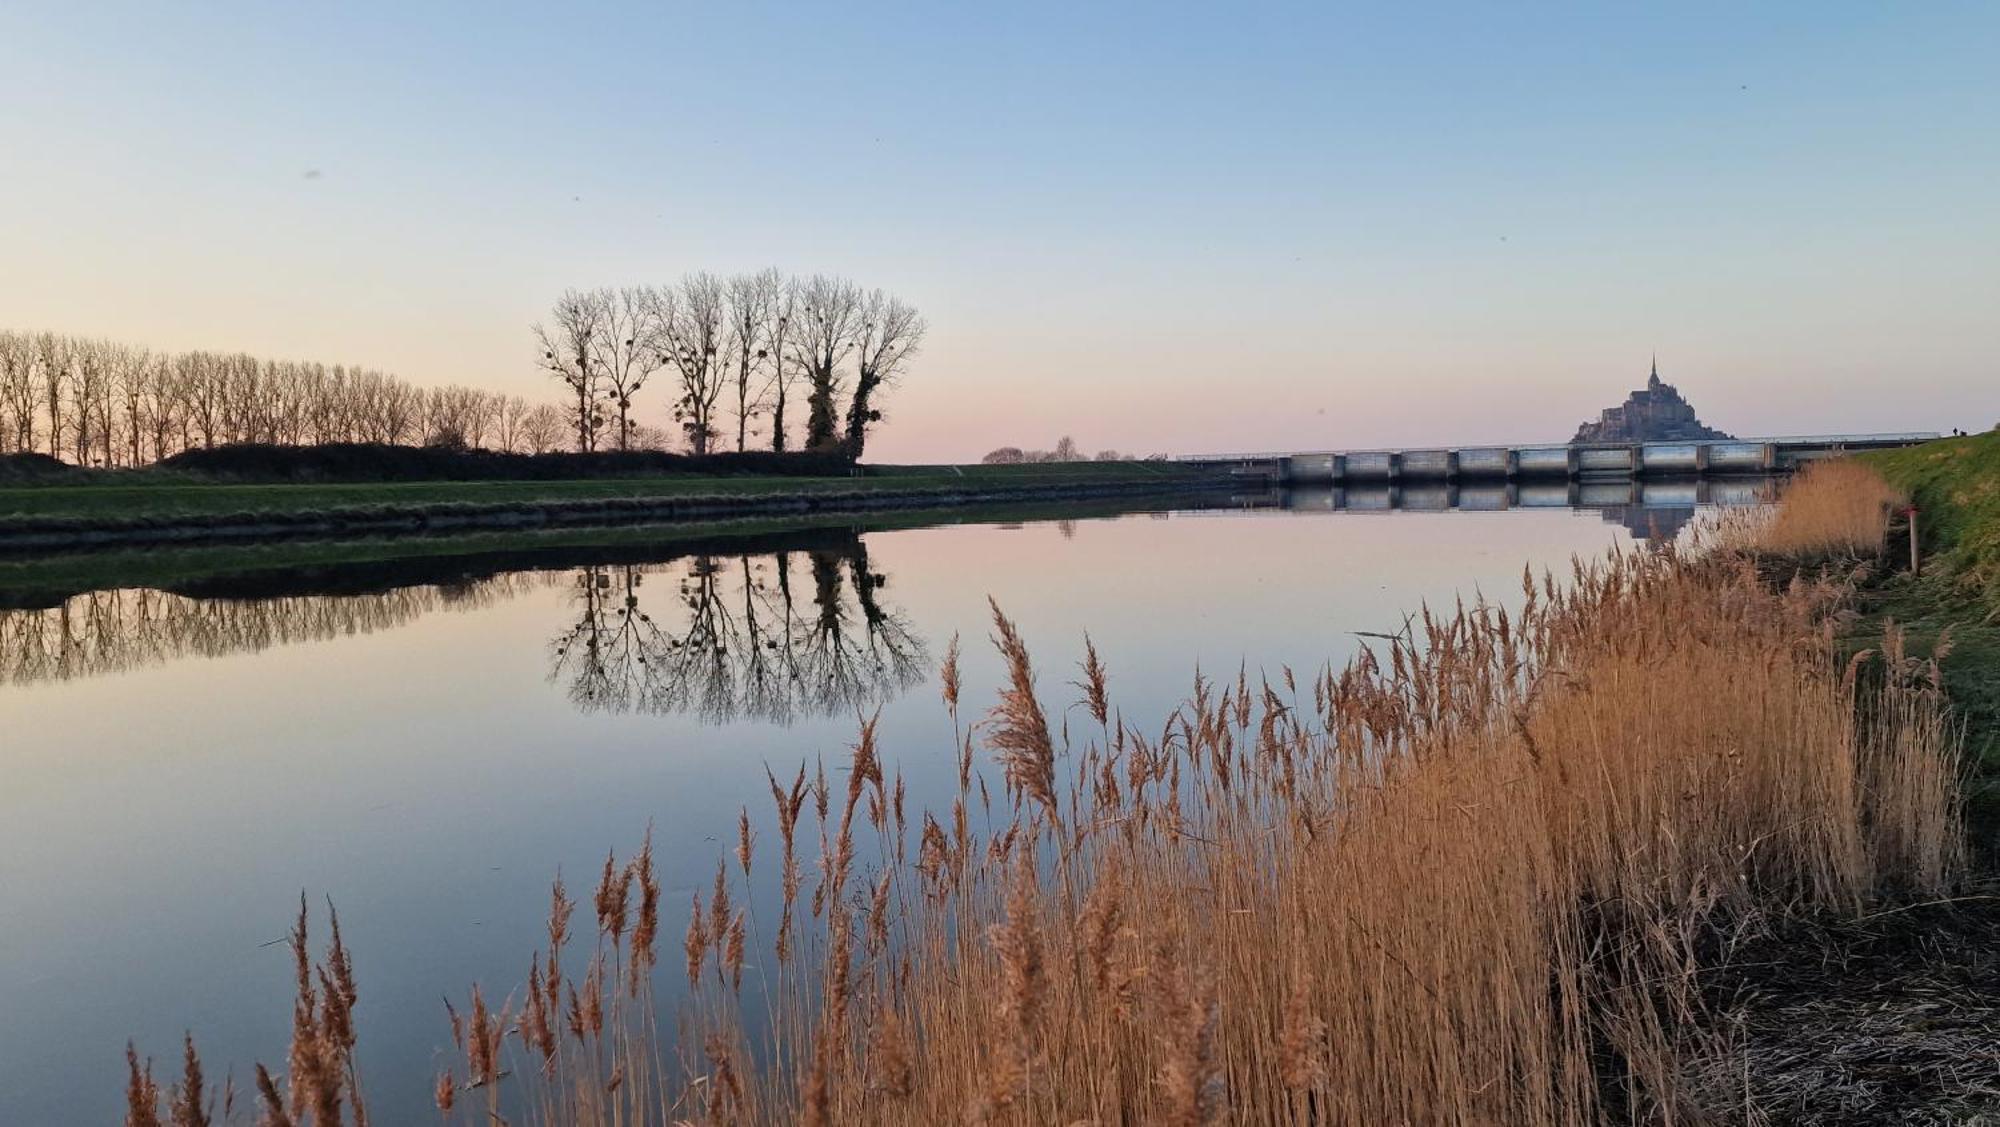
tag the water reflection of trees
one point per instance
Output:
(774, 629)
(100, 632)
(773, 636)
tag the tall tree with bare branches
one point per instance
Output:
(626, 349)
(829, 317)
(19, 404)
(569, 353)
(541, 429)
(890, 334)
(52, 354)
(696, 337)
(784, 370)
(750, 297)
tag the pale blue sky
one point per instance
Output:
(1155, 227)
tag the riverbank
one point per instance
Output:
(1885, 1014)
(1950, 610)
(303, 565)
(45, 518)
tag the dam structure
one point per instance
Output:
(1580, 461)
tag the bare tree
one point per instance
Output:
(646, 437)
(401, 409)
(166, 406)
(103, 403)
(694, 335)
(509, 412)
(626, 349)
(90, 383)
(569, 354)
(52, 358)
(829, 315)
(890, 333)
(19, 403)
(784, 371)
(131, 372)
(541, 429)
(750, 297)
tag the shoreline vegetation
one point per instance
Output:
(319, 566)
(1567, 862)
(165, 509)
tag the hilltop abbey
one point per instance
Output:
(1655, 413)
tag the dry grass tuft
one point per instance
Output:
(1838, 509)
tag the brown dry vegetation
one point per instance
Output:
(1833, 509)
(1477, 877)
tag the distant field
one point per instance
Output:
(164, 497)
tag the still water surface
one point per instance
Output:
(429, 744)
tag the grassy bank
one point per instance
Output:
(173, 509)
(170, 495)
(46, 579)
(1951, 610)
(1955, 484)
(1481, 876)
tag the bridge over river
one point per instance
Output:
(1574, 461)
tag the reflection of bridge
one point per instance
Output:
(1585, 461)
(1648, 508)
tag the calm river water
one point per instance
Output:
(428, 744)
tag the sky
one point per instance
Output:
(1156, 228)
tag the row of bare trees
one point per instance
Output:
(100, 403)
(739, 353)
(1066, 451)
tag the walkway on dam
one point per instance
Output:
(1573, 461)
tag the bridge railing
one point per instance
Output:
(1882, 438)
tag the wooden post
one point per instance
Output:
(1911, 512)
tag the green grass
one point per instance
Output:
(140, 495)
(1955, 483)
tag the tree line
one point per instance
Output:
(757, 358)
(1066, 451)
(751, 358)
(96, 402)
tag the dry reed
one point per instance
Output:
(1830, 510)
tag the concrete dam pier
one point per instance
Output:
(1573, 462)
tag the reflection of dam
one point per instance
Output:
(1648, 507)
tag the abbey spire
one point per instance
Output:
(1654, 413)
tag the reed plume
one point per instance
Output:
(1019, 736)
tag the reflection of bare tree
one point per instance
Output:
(112, 631)
(735, 640)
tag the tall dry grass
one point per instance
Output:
(1832, 509)
(1472, 878)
